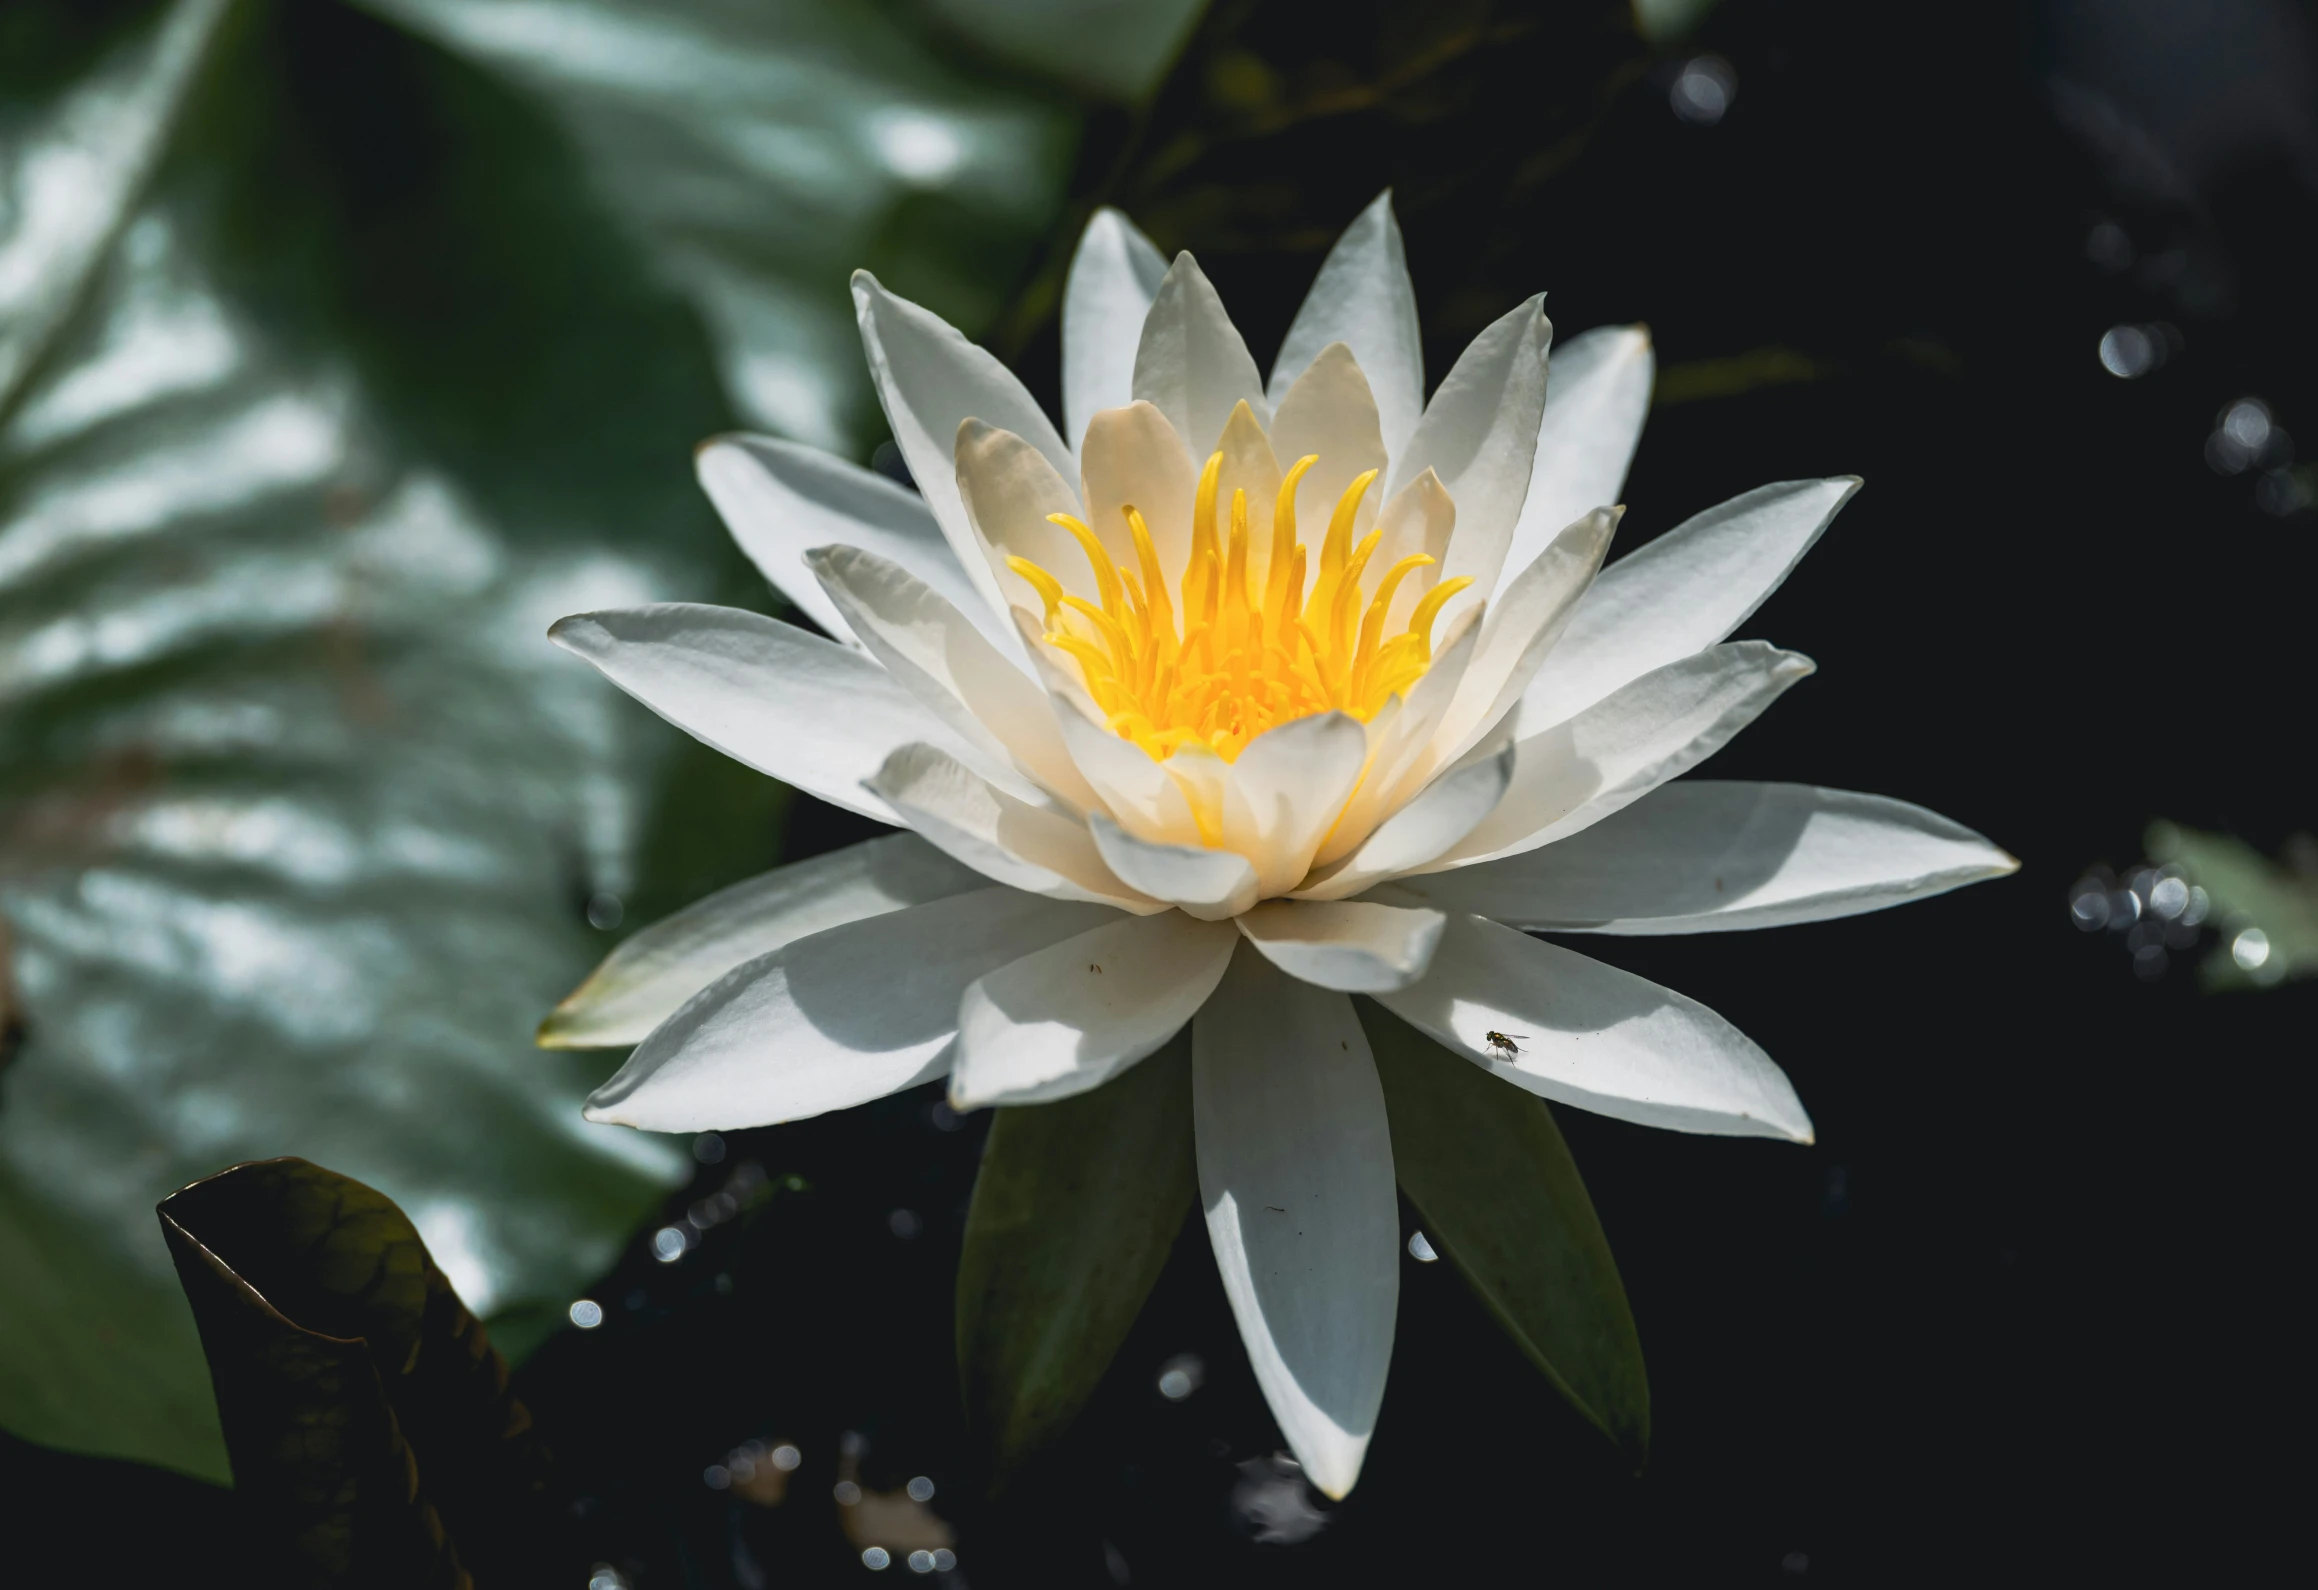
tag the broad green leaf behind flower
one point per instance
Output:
(333, 365)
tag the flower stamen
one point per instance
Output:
(1250, 651)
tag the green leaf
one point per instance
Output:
(342, 349)
(2267, 911)
(761, 153)
(1075, 1210)
(1665, 22)
(373, 1435)
(297, 811)
(1500, 1196)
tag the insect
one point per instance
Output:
(1503, 1041)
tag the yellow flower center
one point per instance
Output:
(1219, 661)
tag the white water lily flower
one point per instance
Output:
(1226, 702)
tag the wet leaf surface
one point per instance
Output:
(340, 358)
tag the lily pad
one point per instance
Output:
(337, 360)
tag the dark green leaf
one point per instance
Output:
(1500, 1196)
(373, 1437)
(1075, 1210)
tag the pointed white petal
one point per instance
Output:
(1113, 278)
(1682, 592)
(1132, 458)
(641, 983)
(1418, 517)
(1330, 414)
(1295, 1171)
(1597, 394)
(1592, 1036)
(1059, 673)
(810, 712)
(1615, 752)
(927, 644)
(1210, 885)
(1479, 434)
(1699, 856)
(1363, 298)
(1404, 762)
(1191, 361)
(1285, 791)
(1070, 1017)
(1353, 946)
(931, 380)
(847, 1015)
(781, 500)
(1526, 621)
(1037, 849)
(1009, 488)
(1145, 800)
(1449, 808)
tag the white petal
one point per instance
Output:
(1285, 791)
(1597, 394)
(1191, 361)
(1526, 621)
(1070, 1017)
(1146, 801)
(927, 644)
(1479, 434)
(1330, 414)
(781, 500)
(931, 380)
(1449, 808)
(1698, 856)
(1249, 467)
(810, 712)
(1113, 278)
(1210, 885)
(1295, 1171)
(1590, 1035)
(1615, 752)
(1403, 763)
(845, 1016)
(655, 970)
(1033, 848)
(1009, 488)
(1132, 458)
(1418, 517)
(1363, 298)
(1353, 946)
(1682, 592)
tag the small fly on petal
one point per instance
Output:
(1503, 1042)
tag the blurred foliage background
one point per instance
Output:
(344, 346)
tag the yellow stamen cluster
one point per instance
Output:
(1242, 659)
